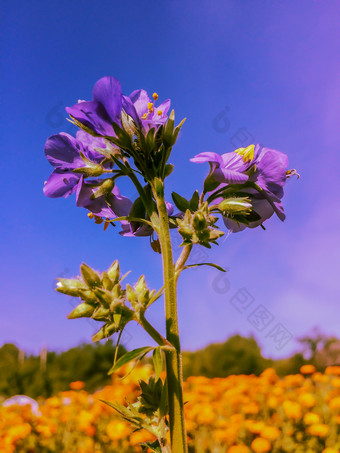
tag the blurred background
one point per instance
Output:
(240, 72)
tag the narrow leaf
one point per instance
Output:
(206, 264)
(129, 356)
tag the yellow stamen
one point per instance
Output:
(246, 153)
(98, 220)
(150, 106)
(159, 112)
(90, 215)
(155, 96)
(144, 116)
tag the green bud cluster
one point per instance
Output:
(103, 298)
(199, 227)
(139, 296)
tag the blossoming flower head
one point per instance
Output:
(148, 113)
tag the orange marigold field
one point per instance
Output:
(237, 414)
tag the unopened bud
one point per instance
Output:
(113, 272)
(105, 188)
(235, 205)
(90, 276)
(199, 221)
(107, 282)
(83, 310)
(105, 332)
(131, 295)
(105, 297)
(70, 286)
(101, 314)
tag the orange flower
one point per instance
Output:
(292, 410)
(270, 432)
(117, 430)
(307, 369)
(311, 419)
(77, 385)
(335, 403)
(307, 400)
(333, 370)
(261, 445)
(238, 449)
(319, 430)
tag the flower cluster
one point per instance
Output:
(237, 414)
(113, 128)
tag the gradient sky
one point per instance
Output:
(268, 69)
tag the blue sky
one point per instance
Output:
(266, 71)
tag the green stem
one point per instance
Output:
(173, 358)
(153, 332)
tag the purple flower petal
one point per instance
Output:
(93, 115)
(271, 171)
(61, 184)
(140, 101)
(233, 226)
(224, 175)
(130, 109)
(207, 157)
(107, 92)
(63, 152)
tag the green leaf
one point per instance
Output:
(181, 203)
(158, 361)
(168, 170)
(194, 201)
(154, 446)
(206, 264)
(129, 356)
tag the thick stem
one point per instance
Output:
(173, 358)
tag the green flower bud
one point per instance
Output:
(199, 221)
(90, 171)
(105, 332)
(83, 310)
(88, 296)
(90, 276)
(117, 292)
(185, 232)
(235, 205)
(70, 286)
(107, 282)
(104, 297)
(131, 295)
(114, 272)
(101, 314)
(105, 188)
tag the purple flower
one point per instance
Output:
(104, 109)
(148, 114)
(63, 152)
(264, 167)
(108, 206)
